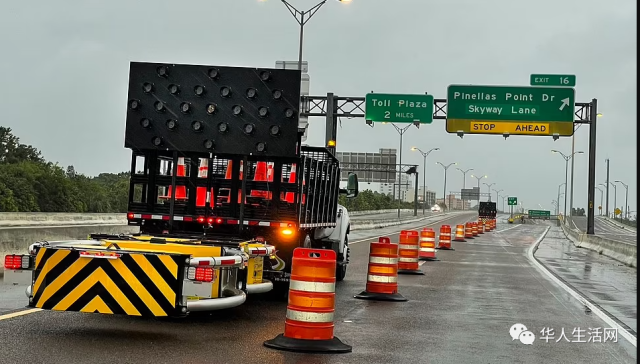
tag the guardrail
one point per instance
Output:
(41, 219)
(621, 251)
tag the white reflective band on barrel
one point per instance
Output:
(312, 286)
(408, 260)
(408, 247)
(427, 239)
(309, 316)
(445, 234)
(429, 250)
(383, 260)
(381, 279)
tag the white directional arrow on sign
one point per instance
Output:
(565, 102)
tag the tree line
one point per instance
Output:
(30, 183)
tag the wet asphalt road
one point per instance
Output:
(606, 229)
(459, 312)
(605, 281)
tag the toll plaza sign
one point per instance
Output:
(513, 110)
(396, 108)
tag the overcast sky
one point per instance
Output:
(64, 71)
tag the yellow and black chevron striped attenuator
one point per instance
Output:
(135, 284)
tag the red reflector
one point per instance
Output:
(260, 239)
(13, 261)
(146, 217)
(188, 218)
(130, 216)
(200, 219)
(227, 261)
(204, 274)
(259, 251)
(165, 217)
(204, 262)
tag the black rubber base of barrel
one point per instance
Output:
(333, 346)
(430, 259)
(396, 297)
(414, 272)
(445, 248)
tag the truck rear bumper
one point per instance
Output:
(263, 287)
(233, 298)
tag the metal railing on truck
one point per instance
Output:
(186, 190)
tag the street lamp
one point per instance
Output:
(305, 16)
(424, 175)
(497, 198)
(566, 174)
(464, 175)
(489, 185)
(445, 182)
(601, 194)
(560, 186)
(615, 198)
(626, 199)
(478, 178)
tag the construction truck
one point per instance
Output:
(222, 190)
(487, 210)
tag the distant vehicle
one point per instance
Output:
(436, 208)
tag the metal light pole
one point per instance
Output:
(566, 174)
(601, 195)
(497, 197)
(424, 175)
(464, 175)
(607, 186)
(626, 199)
(445, 182)
(478, 178)
(489, 185)
(615, 198)
(559, 186)
(304, 17)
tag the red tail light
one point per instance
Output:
(17, 261)
(200, 219)
(130, 216)
(204, 274)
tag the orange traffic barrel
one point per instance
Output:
(382, 272)
(428, 244)
(459, 233)
(474, 228)
(468, 231)
(444, 240)
(480, 226)
(487, 225)
(409, 252)
(308, 326)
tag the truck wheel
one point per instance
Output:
(341, 269)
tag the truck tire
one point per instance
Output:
(341, 269)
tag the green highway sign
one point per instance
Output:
(512, 201)
(553, 80)
(395, 108)
(539, 213)
(513, 110)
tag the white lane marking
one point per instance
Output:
(509, 228)
(19, 313)
(626, 334)
(421, 263)
(398, 231)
